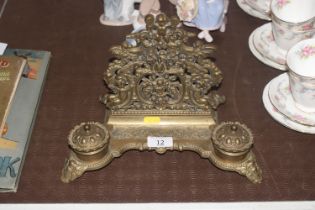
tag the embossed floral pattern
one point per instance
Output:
(281, 3)
(306, 52)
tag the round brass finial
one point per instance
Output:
(87, 127)
(232, 138)
(88, 137)
(234, 128)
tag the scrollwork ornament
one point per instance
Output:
(72, 170)
(161, 71)
(251, 170)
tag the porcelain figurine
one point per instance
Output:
(206, 15)
(118, 12)
(146, 7)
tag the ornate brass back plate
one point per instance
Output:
(160, 86)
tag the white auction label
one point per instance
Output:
(3, 46)
(161, 141)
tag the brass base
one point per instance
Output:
(190, 132)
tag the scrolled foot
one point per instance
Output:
(72, 170)
(251, 170)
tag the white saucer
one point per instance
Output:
(262, 45)
(283, 119)
(251, 11)
(281, 97)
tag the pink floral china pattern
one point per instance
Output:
(287, 35)
(303, 92)
(287, 32)
(301, 64)
(281, 3)
(281, 97)
(282, 119)
(284, 27)
(260, 56)
(306, 52)
(265, 49)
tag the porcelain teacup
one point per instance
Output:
(301, 65)
(292, 21)
(262, 6)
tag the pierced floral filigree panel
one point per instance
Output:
(156, 69)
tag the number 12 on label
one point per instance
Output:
(154, 141)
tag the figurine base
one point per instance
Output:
(190, 132)
(117, 22)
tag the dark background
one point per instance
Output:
(70, 29)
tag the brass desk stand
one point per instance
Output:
(162, 98)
